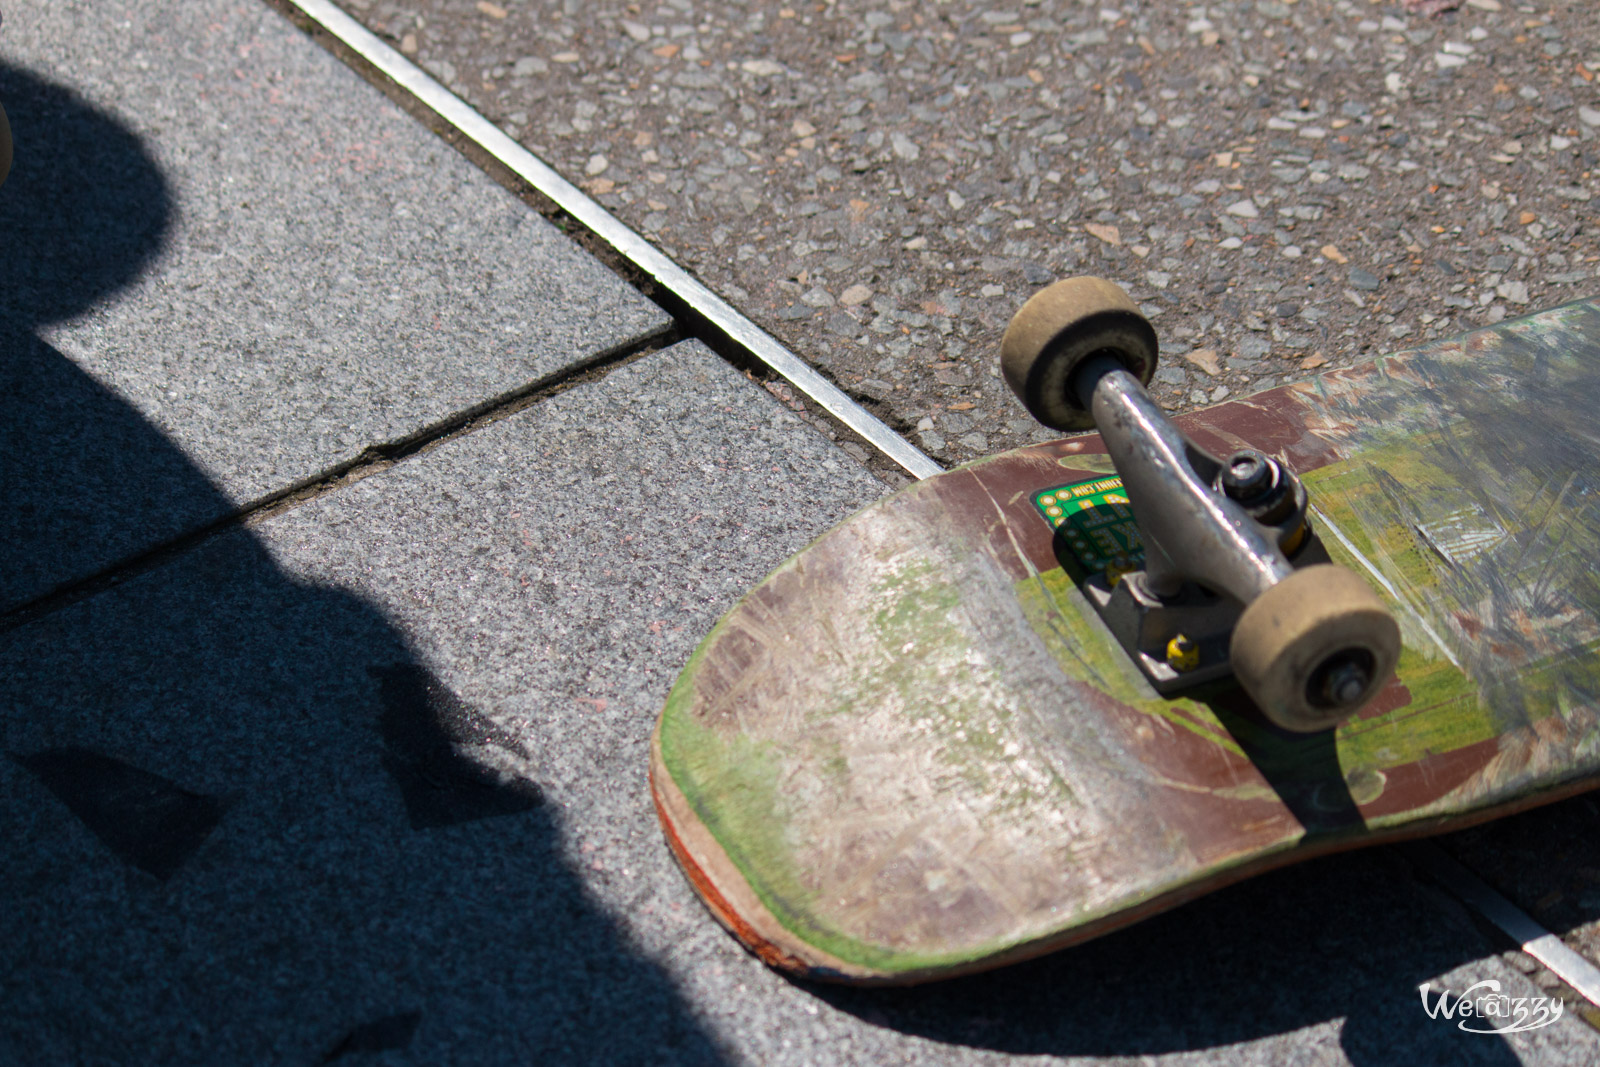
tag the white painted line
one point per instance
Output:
(643, 255)
(1535, 940)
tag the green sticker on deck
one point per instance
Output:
(1095, 520)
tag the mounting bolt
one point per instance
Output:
(1247, 475)
(1117, 568)
(1183, 655)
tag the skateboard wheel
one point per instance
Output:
(1315, 648)
(1056, 330)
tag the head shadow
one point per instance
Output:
(84, 211)
(84, 215)
(243, 820)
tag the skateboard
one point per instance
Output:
(1037, 698)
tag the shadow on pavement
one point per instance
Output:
(85, 479)
(240, 820)
(1346, 937)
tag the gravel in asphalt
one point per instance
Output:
(1282, 186)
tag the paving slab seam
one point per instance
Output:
(375, 459)
(701, 311)
(691, 320)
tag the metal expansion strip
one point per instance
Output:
(643, 255)
(1536, 941)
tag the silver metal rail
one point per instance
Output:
(760, 345)
(1536, 941)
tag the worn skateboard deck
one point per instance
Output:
(914, 750)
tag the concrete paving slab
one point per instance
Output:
(226, 250)
(255, 812)
(370, 778)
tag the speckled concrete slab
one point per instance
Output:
(369, 778)
(372, 774)
(226, 251)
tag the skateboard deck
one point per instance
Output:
(915, 751)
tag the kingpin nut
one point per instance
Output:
(1247, 475)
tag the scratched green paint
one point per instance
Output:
(731, 781)
(926, 612)
(1388, 528)
(1061, 616)
(731, 785)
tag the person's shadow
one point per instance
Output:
(240, 820)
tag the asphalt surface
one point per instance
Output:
(1281, 186)
(335, 634)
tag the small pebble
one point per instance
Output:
(1515, 292)
(1108, 234)
(1363, 280)
(1205, 359)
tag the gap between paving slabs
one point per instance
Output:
(221, 322)
(373, 460)
(690, 320)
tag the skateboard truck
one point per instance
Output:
(1233, 579)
